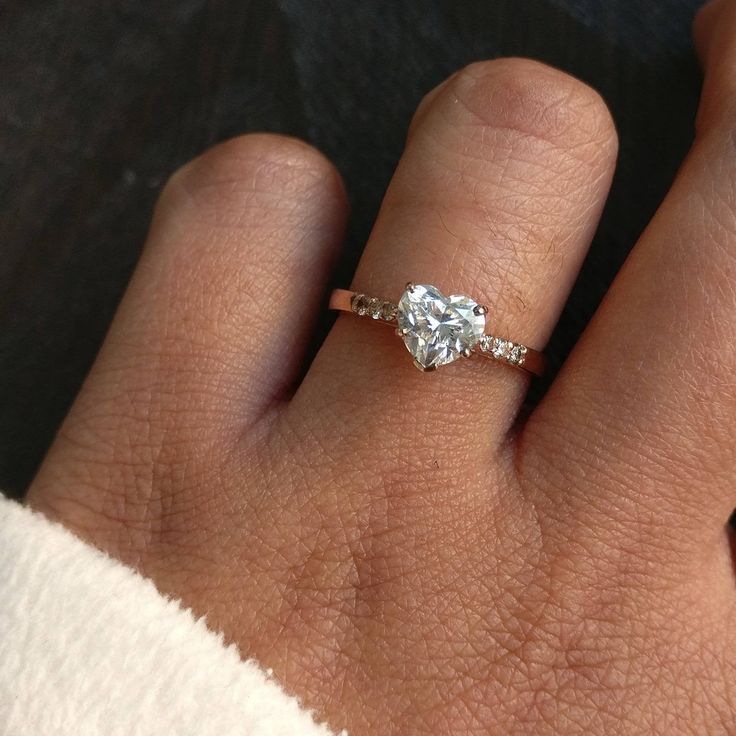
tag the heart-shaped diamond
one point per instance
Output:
(438, 329)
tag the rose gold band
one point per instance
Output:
(492, 347)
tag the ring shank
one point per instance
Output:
(342, 300)
(531, 361)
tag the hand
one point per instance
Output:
(406, 555)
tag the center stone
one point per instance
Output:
(436, 328)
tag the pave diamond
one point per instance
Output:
(500, 348)
(360, 304)
(364, 306)
(388, 311)
(517, 355)
(374, 308)
(437, 330)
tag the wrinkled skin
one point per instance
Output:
(405, 553)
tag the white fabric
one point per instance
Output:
(89, 647)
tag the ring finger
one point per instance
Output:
(497, 196)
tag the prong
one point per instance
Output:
(410, 286)
(466, 352)
(430, 369)
(480, 310)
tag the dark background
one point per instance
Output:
(101, 101)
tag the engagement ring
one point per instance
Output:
(438, 329)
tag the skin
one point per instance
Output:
(407, 554)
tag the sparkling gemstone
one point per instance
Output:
(360, 304)
(500, 348)
(374, 308)
(438, 329)
(517, 354)
(388, 311)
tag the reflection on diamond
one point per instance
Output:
(437, 329)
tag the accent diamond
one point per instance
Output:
(500, 348)
(374, 308)
(388, 312)
(437, 329)
(517, 355)
(360, 304)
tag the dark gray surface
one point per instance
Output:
(99, 102)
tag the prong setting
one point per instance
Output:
(425, 369)
(480, 310)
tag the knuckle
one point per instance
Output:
(534, 100)
(261, 171)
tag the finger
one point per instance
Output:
(644, 411)
(715, 45)
(496, 196)
(212, 330)
(704, 27)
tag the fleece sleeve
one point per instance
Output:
(89, 647)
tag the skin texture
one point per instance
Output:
(406, 553)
